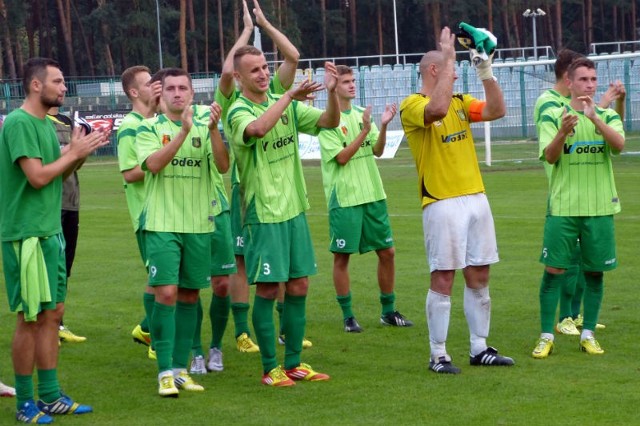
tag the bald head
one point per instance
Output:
(433, 57)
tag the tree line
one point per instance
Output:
(103, 37)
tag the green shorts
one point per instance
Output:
(597, 242)
(54, 259)
(223, 261)
(278, 252)
(360, 228)
(178, 259)
(142, 247)
(236, 220)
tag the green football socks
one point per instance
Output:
(185, 327)
(265, 331)
(219, 315)
(295, 321)
(163, 330)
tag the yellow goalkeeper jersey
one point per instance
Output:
(443, 151)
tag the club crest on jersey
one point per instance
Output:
(437, 123)
(196, 142)
(285, 119)
(166, 139)
(461, 115)
(344, 129)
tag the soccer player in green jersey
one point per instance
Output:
(178, 154)
(32, 168)
(572, 293)
(578, 140)
(358, 217)
(459, 231)
(277, 245)
(143, 94)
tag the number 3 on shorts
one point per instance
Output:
(266, 269)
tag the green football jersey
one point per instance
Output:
(357, 182)
(24, 210)
(181, 197)
(127, 160)
(202, 114)
(581, 182)
(270, 168)
(548, 99)
(275, 86)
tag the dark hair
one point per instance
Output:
(343, 69)
(157, 76)
(129, 77)
(565, 57)
(36, 68)
(174, 72)
(580, 62)
(244, 50)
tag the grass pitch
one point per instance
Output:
(381, 375)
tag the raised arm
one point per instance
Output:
(442, 92)
(331, 116)
(616, 92)
(388, 114)
(287, 70)
(226, 83)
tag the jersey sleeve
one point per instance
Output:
(548, 130)
(276, 86)
(412, 112)
(332, 142)
(307, 118)
(147, 142)
(127, 158)
(20, 133)
(240, 116)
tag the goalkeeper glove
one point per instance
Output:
(481, 44)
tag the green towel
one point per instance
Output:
(34, 281)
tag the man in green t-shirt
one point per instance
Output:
(32, 168)
(578, 140)
(358, 217)
(143, 94)
(277, 246)
(178, 154)
(572, 293)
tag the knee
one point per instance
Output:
(298, 287)
(166, 295)
(220, 286)
(387, 255)
(188, 295)
(267, 291)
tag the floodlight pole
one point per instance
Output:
(395, 29)
(533, 14)
(159, 38)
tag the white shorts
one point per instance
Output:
(459, 232)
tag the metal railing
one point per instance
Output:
(614, 47)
